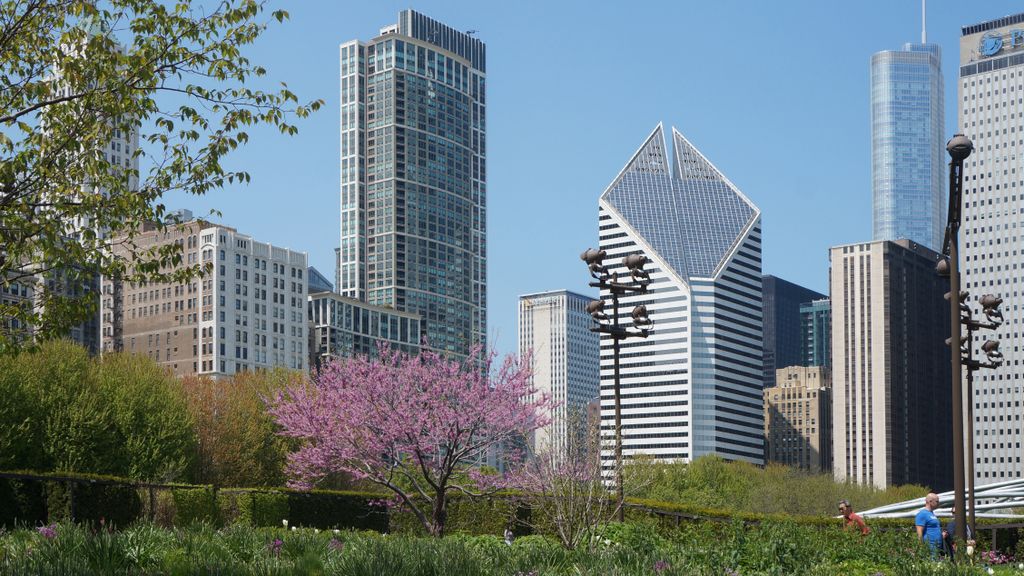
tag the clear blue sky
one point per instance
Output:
(774, 93)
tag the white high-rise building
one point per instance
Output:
(693, 387)
(248, 314)
(990, 97)
(554, 329)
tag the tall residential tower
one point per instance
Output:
(990, 97)
(693, 386)
(413, 177)
(907, 145)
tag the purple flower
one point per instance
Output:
(660, 566)
(336, 545)
(48, 532)
(275, 546)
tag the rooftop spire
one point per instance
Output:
(924, 30)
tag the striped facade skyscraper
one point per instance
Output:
(413, 177)
(693, 387)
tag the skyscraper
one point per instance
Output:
(798, 418)
(413, 177)
(907, 143)
(890, 366)
(693, 386)
(816, 333)
(554, 328)
(782, 343)
(990, 94)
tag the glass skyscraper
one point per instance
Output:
(413, 177)
(816, 333)
(693, 386)
(782, 335)
(908, 145)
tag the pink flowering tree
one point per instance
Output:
(415, 425)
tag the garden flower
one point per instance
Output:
(337, 545)
(970, 550)
(336, 531)
(660, 566)
(275, 546)
(293, 528)
(48, 532)
(990, 571)
(316, 530)
(284, 523)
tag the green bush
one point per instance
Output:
(253, 508)
(194, 505)
(21, 502)
(322, 509)
(465, 515)
(93, 503)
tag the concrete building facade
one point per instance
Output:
(990, 97)
(798, 418)
(247, 313)
(890, 366)
(554, 332)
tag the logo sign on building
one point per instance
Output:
(992, 43)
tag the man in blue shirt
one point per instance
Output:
(928, 526)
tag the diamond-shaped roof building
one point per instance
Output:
(691, 215)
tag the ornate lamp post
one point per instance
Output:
(962, 354)
(959, 148)
(639, 280)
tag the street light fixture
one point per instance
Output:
(959, 148)
(603, 280)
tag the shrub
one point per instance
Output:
(92, 503)
(465, 515)
(21, 502)
(194, 505)
(253, 508)
(336, 510)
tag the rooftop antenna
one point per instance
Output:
(924, 31)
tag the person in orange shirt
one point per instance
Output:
(850, 520)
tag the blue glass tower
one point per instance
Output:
(414, 177)
(693, 386)
(907, 145)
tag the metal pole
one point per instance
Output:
(954, 351)
(619, 489)
(970, 436)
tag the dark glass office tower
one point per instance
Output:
(816, 333)
(782, 338)
(413, 177)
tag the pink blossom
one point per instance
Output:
(411, 424)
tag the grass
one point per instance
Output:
(630, 549)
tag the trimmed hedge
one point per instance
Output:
(120, 502)
(194, 505)
(335, 509)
